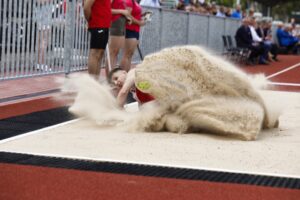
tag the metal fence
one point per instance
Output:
(39, 37)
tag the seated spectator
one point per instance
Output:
(295, 30)
(244, 40)
(265, 31)
(244, 14)
(285, 39)
(264, 40)
(237, 13)
(251, 12)
(258, 41)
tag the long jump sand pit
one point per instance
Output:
(276, 151)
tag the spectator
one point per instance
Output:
(98, 15)
(228, 12)
(120, 16)
(221, 12)
(180, 6)
(214, 9)
(244, 40)
(297, 31)
(295, 28)
(251, 12)
(258, 41)
(237, 13)
(150, 3)
(285, 39)
(132, 34)
(293, 22)
(265, 32)
(244, 14)
(193, 6)
(208, 8)
(201, 1)
(44, 19)
(202, 9)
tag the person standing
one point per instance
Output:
(44, 23)
(132, 34)
(98, 15)
(120, 16)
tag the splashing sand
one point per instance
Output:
(194, 92)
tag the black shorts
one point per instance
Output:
(132, 34)
(99, 38)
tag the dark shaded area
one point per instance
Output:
(36, 94)
(274, 2)
(150, 170)
(21, 124)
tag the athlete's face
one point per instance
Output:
(118, 78)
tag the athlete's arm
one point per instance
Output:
(122, 95)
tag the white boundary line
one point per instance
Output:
(37, 131)
(282, 71)
(285, 84)
(156, 164)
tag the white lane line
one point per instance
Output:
(285, 84)
(282, 71)
(155, 164)
(36, 131)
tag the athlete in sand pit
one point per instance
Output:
(195, 91)
(123, 83)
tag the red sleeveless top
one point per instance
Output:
(143, 97)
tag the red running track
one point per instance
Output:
(21, 182)
(290, 76)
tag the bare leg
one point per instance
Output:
(95, 56)
(115, 44)
(130, 47)
(41, 48)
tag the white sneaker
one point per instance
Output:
(44, 68)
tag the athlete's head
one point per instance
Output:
(117, 77)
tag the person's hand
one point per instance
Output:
(129, 20)
(142, 22)
(126, 13)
